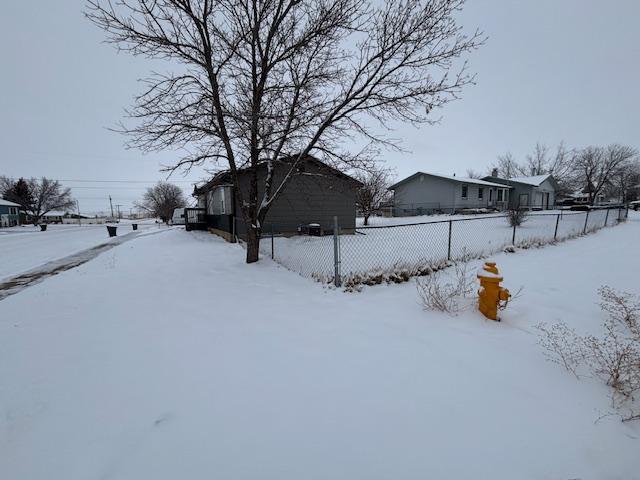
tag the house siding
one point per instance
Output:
(535, 195)
(428, 194)
(314, 195)
(9, 216)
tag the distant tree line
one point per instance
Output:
(612, 170)
(37, 197)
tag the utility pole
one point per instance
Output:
(111, 204)
(79, 218)
(118, 210)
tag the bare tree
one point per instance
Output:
(625, 181)
(161, 200)
(255, 81)
(507, 166)
(6, 183)
(47, 195)
(596, 167)
(374, 191)
(541, 161)
(471, 173)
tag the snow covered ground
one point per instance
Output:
(26, 247)
(167, 357)
(412, 242)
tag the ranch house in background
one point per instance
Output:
(9, 213)
(425, 193)
(314, 195)
(537, 192)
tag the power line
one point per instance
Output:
(128, 181)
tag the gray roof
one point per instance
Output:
(534, 181)
(7, 203)
(451, 178)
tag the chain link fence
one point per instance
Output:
(395, 252)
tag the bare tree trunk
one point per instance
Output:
(253, 244)
(366, 219)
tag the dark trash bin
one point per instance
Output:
(43, 228)
(315, 229)
(135, 226)
(111, 230)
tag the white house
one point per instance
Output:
(424, 193)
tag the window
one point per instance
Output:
(13, 210)
(465, 191)
(490, 194)
(222, 209)
(500, 194)
(480, 193)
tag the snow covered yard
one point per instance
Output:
(26, 247)
(392, 244)
(166, 357)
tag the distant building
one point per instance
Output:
(426, 193)
(9, 213)
(536, 192)
(53, 217)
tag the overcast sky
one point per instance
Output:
(551, 70)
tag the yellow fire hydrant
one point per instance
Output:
(491, 294)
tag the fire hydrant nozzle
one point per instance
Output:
(491, 295)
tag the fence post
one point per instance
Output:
(449, 248)
(272, 254)
(606, 218)
(336, 252)
(586, 220)
(555, 234)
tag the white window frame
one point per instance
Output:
(223, 210)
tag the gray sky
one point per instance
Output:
(551, 70)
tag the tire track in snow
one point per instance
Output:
(16, 284)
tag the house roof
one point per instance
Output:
(224, 177)
(7, 203)
(447, 177)
(534, 181)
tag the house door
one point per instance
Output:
(546, 200)
(491, 197)
(523, 200)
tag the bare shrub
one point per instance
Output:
(623, 306)
(436, 293)
(561, 345)
(516, 216)
(613, 357)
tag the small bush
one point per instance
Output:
(516, 216)
(445, 296)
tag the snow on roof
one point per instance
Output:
(536, 180)
(455, 179)
(7, 203)
(54, 213)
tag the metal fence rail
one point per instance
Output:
(410, 249)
